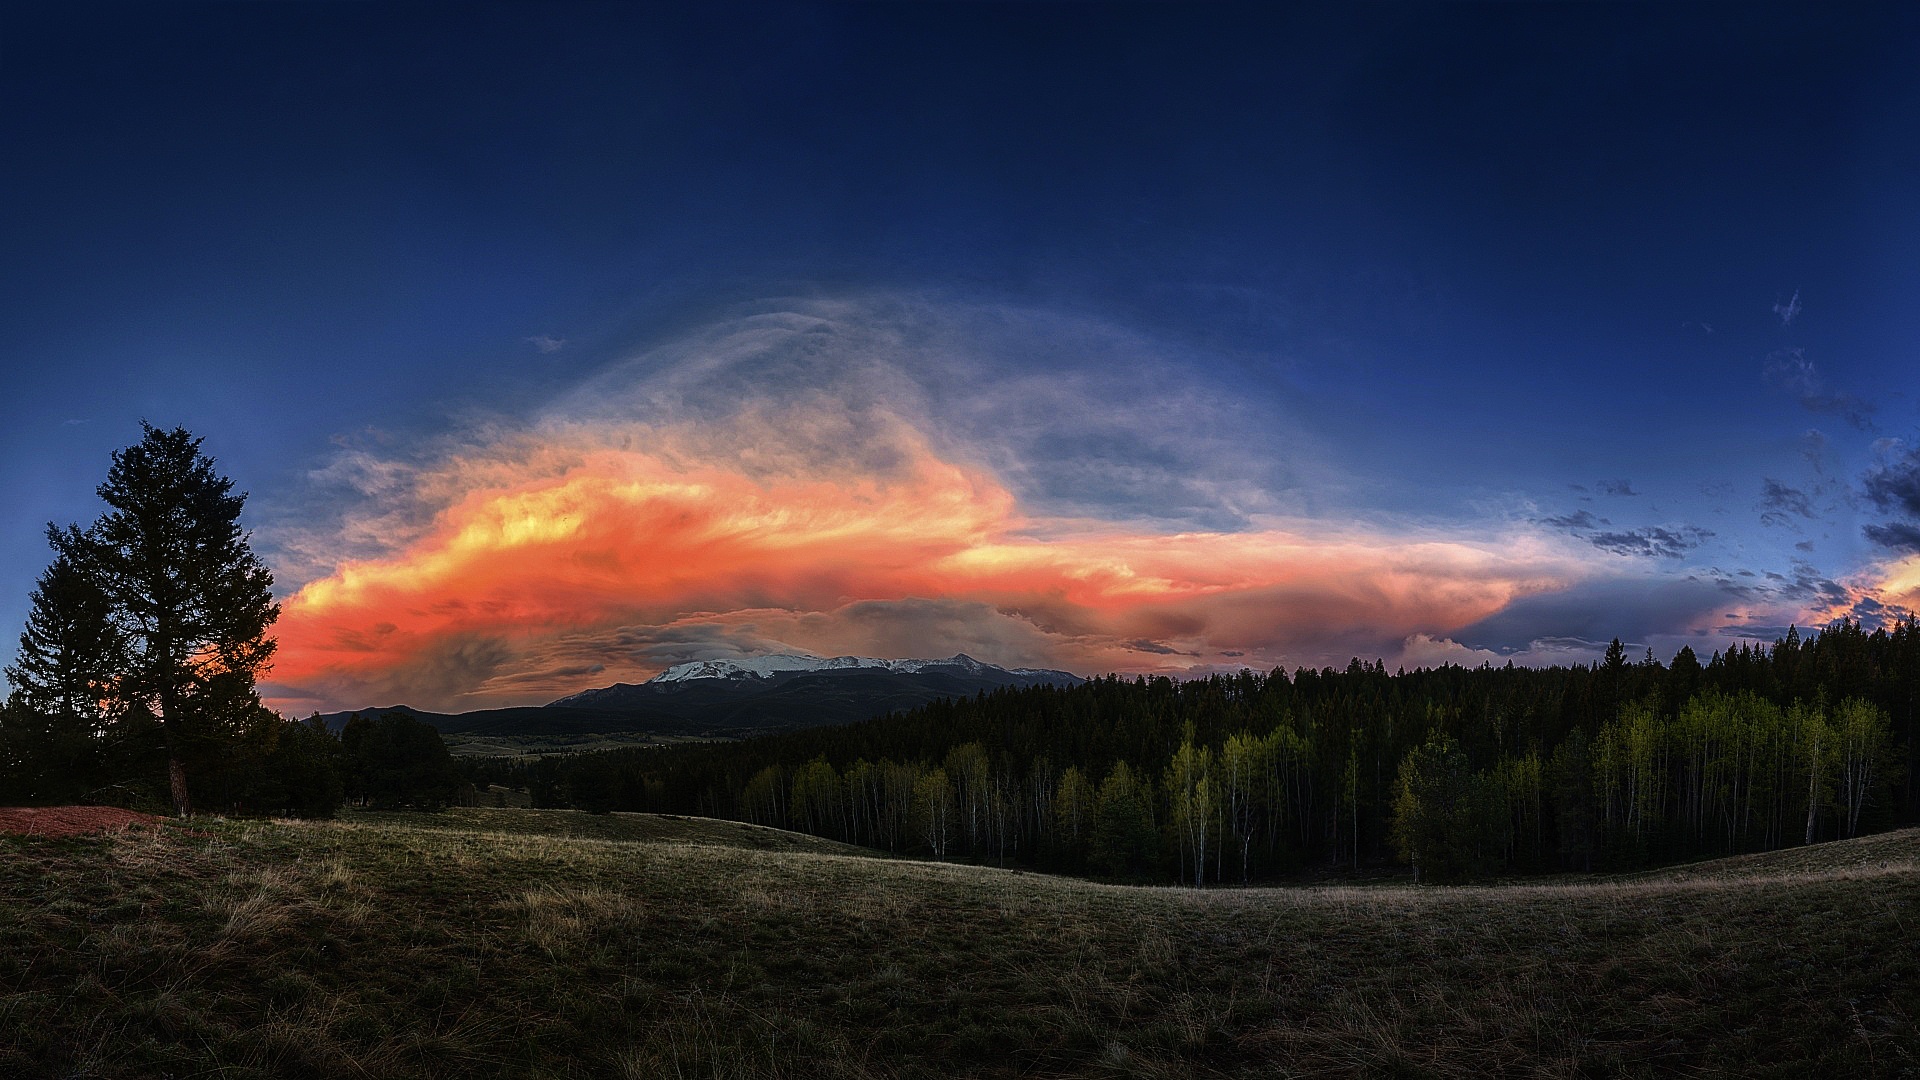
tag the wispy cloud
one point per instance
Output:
(1578, 521)
(1780, 504)
(1615, 487)
(1655, 541)
(547, 343)
(1670, 542)
(1813, 447)
(1788, 311)
(1790, 370)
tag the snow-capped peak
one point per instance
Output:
(763, 667)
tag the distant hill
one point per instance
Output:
(741, 697)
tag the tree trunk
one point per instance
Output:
(177, 783)
(1813, 773)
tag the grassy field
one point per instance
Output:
(461, 744)
(553, 944)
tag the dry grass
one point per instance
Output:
(524, 943)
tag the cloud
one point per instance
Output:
(1577, 521)
(1654, 540)
(1790, 370)
(1426, 651)
(902, 477)
(1808, 587)
(547, 343)
(1615, 487)
(1813, 447)
(1789, 310)
(1896, 535)
(1884, 594)
(1595, 612)
(1780, 504)
(1893, 485)
(568, 555)
(867, 478)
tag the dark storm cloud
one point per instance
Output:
(1790, 370)
(1597, 612)
(1654, 540)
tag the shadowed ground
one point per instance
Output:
(545, 943)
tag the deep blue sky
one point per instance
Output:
(1454, 264)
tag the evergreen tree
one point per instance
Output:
(190, 598)
(1436, 816)
(72, 653)
(66, 679)
(1123, 840)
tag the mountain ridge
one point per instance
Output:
(776, 666)
(737, 698)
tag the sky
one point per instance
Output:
(558, 343)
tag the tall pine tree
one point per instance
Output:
(191, 599)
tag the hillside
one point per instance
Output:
(546, 944)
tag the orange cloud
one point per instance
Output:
(585, 554)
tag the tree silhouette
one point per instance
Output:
(65, 678)
(187, 594)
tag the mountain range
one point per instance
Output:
(734, 698)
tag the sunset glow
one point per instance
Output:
(552, 560)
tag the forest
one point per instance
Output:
(1460, 773)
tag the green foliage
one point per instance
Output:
(1124, 842)
(1253, 777)
(1441, 813)
(392, 760)
(1193, 804)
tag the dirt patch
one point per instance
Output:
(69, 820)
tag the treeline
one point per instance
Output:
(1251, 776)
(260, 764)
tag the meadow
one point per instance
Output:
(512, 942)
